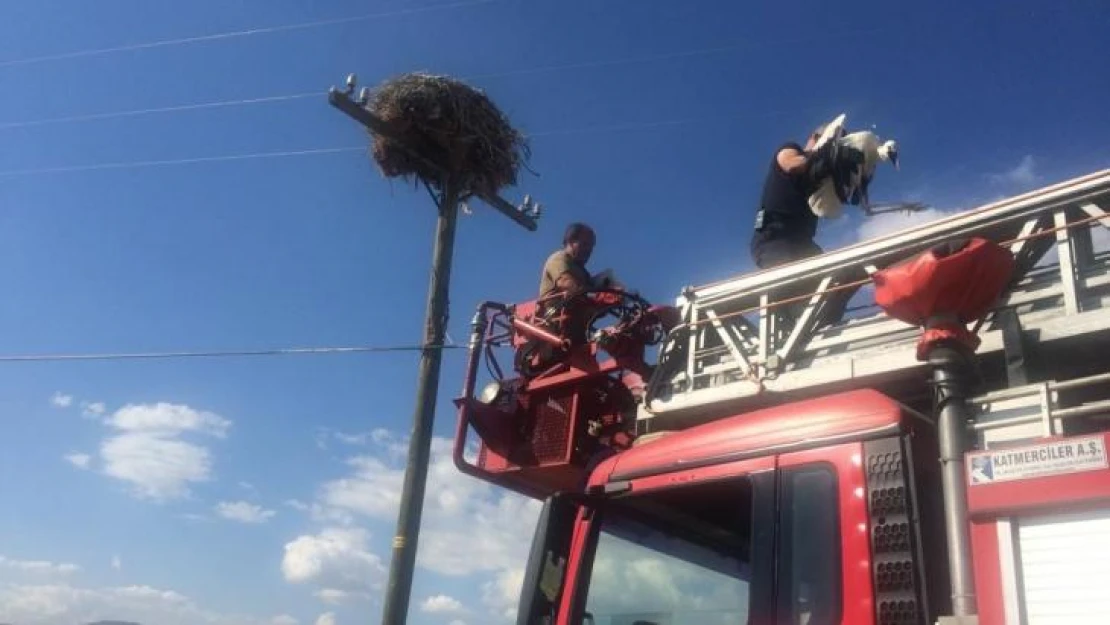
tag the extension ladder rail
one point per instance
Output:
(732, 353)
(1036, 411)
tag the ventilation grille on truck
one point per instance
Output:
(552, 428)
(895, 572)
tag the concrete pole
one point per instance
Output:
(399, 588)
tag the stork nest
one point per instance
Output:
(453, 126)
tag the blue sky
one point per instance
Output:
(263, 490)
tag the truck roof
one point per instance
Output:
(851, 415)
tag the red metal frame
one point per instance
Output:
(575, 369)
(707, 473)
(857, 598)
(850, 414)
(574, 576)
(571, 582)
(986, 562)
(857, 592)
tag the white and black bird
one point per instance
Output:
(858, 155)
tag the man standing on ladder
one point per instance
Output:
(785, 226)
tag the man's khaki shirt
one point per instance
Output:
(556, 265)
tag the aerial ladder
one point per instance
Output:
(962, 423)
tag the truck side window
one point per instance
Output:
(809, 578)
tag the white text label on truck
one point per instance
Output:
(1072, 455)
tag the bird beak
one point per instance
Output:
(894, 159)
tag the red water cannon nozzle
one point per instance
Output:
(945, 288)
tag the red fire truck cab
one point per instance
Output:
(941, 461)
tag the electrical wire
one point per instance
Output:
(176, 108)
(265, 30)
(364, 349)
(11, 173)
(238, 353)
(317, 151)
(651, 58)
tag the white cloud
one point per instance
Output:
(243, 512)
(441, 604)
(501, 595)
(39, 567)
(79, 460)
(888, 223)
(149, 451)
(168, 419)
(93, 410)
(117, 563)
(63, 604)
(374, 489)
(60, 400)
(327, 618)
(469, 527)
(396, 446)
(332, 596)
(156, 467)
(322, 514)
(457, 622)
(335, 559)
(1023, 174)
(352, 439)
(283, 619)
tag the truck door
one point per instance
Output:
(808, 584)
(760, 548)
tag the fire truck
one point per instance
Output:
(939, 456)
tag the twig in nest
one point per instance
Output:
(454, 126)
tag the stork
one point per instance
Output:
(851, 181)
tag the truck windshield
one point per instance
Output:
(674, 558)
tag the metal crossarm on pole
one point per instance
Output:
(405, 541)
(342, 101)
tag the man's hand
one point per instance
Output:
(607, 280)
(566, 282)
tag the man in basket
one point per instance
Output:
(565, 276)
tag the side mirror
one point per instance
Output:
(547, 560)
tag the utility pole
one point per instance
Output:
(405, 540)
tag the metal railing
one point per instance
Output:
(734, 346)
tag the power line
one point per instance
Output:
(238, 353)
(297, 96)
(266, 30)
(365, 349)
(176, 108)
(11, 173)
(651, 58)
